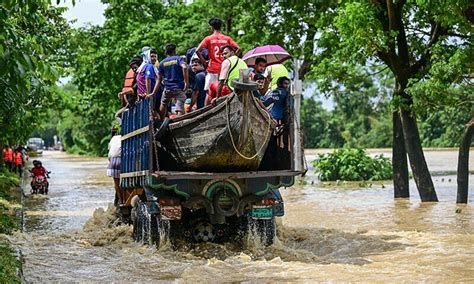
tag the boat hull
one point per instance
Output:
(231, 136)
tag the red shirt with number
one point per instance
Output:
(214, 43)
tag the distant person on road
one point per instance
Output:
(37, 171)
(214, 44)
(8, 157)
(113, 169)
(18, 160)
(174, 73)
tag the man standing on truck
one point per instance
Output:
(147, 73)
(173, 72)
(277, 99)
(128, 94)
(229, 71)
(199, 94)
(214, 44)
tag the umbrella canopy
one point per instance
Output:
(274, 54)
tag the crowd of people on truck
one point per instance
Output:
(200, 77)
(194, 81)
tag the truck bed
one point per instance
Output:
(172, 175)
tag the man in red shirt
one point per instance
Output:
(214, 43)
(39, 171)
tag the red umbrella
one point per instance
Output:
(274, 54)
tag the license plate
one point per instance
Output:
(262, 212)
(170, 212)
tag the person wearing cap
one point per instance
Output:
(174, 73)
(263, 85)
(214, 44)
(128, 94)
(229, 72)
(113, 169)
(276, 100)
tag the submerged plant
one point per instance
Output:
(351, 164)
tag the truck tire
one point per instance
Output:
(266, 230)
(141, 223)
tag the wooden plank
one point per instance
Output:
(170, 175)
(135, 133)
(134, 174)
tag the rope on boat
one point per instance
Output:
(232, 138)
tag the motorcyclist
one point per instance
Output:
(37, 171)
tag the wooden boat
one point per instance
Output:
(231, 136)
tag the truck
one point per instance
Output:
(213, 174)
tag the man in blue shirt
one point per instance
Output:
(173, 72)
(277, 99)
(199, 94)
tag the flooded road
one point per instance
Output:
(330, 233)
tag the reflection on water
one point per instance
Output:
(336, 234)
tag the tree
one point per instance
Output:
(463, 163)
(32, 33)
(405, 37)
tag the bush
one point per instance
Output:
(352, 165)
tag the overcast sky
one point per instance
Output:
(85, 11)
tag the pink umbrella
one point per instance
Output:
(274, 54)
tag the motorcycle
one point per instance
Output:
(40, 184)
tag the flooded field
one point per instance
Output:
(330, 233)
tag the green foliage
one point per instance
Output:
(7, 181)
(31, 36)
(9, 264)
(8, 221)
(352, 165)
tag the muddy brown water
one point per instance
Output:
(329, 233)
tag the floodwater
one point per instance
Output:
(331, 232)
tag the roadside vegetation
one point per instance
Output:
(9, 262)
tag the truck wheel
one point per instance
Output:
(141, 223)
(159, 229)
(265, 230)
(148, 228)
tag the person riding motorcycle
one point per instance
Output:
(38, 173)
